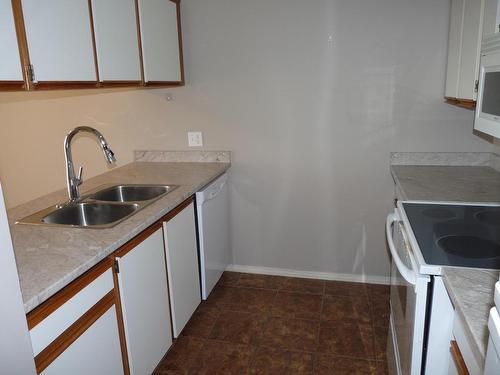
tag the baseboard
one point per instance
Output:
(310, 274)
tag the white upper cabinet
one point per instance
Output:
(10, 62)
(160, 40)
(60, 40)
(454, 48)
(464, 48)
(117, 41)
(471, 48)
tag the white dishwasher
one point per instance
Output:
(213, 232)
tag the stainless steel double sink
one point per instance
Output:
(104, 207)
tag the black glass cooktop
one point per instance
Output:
(456, 235)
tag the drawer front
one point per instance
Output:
(58, 321)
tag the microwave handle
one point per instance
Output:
(407, 273)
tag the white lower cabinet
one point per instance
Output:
(142, 281)
(97, 351)
(182, 266)
(87, 329)
(78, 324)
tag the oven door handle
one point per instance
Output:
(407, 273)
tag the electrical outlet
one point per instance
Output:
(195, 139)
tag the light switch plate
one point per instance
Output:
(195, 139)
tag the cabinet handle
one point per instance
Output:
(458, 359)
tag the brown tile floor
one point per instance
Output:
(256, 324)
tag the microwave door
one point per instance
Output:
(490, 103)
(487, 116)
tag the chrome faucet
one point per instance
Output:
(74, 181)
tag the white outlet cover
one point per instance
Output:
(195, 139)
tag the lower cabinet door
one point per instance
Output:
(97, 351)
(143, 288)
(182, 266)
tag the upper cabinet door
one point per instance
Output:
(60, 40)
(161, 47)
(10, 62)
(117, 41)
(471, 48)
(464, 49)
(454, 48)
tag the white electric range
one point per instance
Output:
(423, 237)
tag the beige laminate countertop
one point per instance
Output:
(471, 290)
(49, 258)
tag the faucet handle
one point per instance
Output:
(79, 178)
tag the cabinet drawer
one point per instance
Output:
(70, 311)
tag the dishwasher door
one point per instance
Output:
(213, 232)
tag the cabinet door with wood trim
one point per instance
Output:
(142, 281)
(79, 323)
(161, 42)
(11, 74)
(471, 49)
(182, 266)
(457, 363)
(60, 42)
(464, 49)
(96, 351)
(117, 40)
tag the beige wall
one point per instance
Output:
(33, 126)
(311, 122)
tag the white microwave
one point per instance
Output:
(487, 118)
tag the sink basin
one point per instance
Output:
(90, 214)
(103, 207)
(131, 193)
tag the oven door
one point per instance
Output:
(408, 303)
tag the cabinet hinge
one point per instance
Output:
(476, 86)
(116, 266)
(31, 72)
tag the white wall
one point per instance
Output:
(310, 122)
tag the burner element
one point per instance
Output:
(469, 247)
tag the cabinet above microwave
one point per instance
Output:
(90, 44)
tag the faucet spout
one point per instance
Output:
(74, 181)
